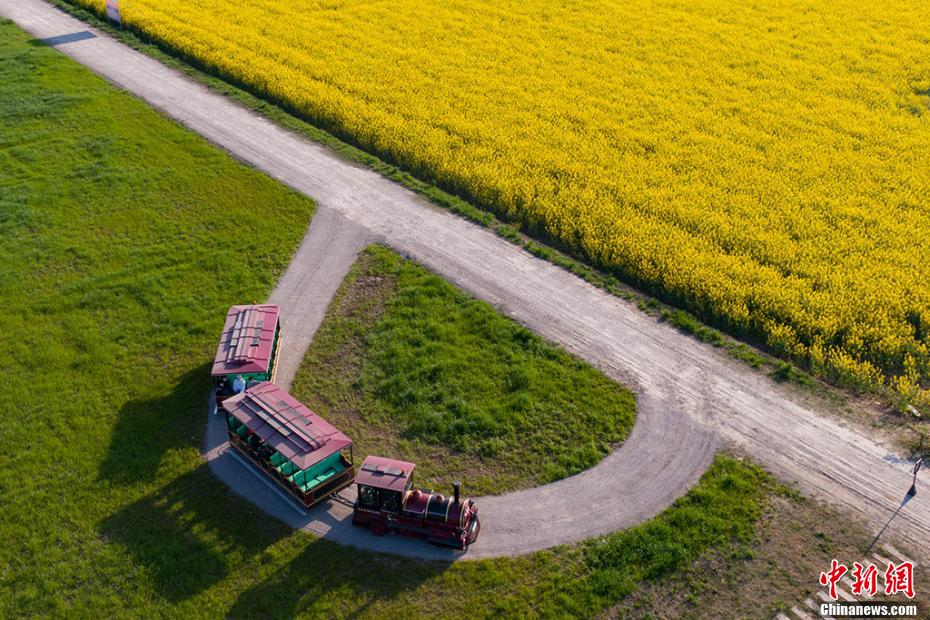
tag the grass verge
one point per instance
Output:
(123, 241)
(795, 539)
(413, 368)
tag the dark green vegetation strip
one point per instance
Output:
(123, 241)
(413, 368)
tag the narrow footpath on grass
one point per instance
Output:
(689, 396)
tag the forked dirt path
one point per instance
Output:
(691, 399)
(665, 454)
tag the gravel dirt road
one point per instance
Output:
(692, 400)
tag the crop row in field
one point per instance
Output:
(762, 165)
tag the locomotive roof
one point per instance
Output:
(384, 473)
(286, 425)
(246, 344)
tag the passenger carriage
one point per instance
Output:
(248, 349)
(300, 451)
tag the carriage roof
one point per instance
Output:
(286, 425)
(247, 342)
(385, 473)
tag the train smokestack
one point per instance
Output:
(456, 490)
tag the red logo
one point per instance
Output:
(864, 581)
(836, 573)
(899, 579)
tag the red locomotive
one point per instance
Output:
(387, 503)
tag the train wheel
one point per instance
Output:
(378, 528)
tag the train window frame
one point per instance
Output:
(368, 497)
(390, 501)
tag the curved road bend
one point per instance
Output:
(665, 454)
(690, 396)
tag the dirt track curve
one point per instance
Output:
(691, 399)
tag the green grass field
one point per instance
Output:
(122, 243)
(413, 368)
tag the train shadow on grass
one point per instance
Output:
(194, 531)
(328, 579)
(191, 533)
(146, 429)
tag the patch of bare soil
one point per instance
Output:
(796, 540)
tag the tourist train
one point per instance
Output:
(309, 459)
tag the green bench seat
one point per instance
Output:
(287, 469)
(237, 427)
(300, 478)
(320, 479)
(315, 482)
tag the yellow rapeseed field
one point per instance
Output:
(764, 164)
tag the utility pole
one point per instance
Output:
(913, 490)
